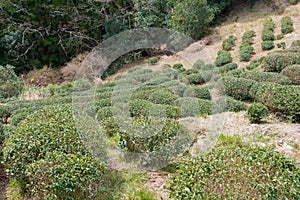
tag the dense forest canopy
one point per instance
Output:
(36, 33)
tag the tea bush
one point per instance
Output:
(198, 92)
(152, 61)
(238, 88)
(223, 58)
(293, 73)
(256, 112)
(267, 45)
(229, 104)
(229, 43)
(254, 64)
(279, 36)
(246, 51)
(268, 35)
(178, 66)
(193, 107)
(228, 67)
(287, 25)
(248, 36)
(233, 170)
(259, 76)
(269, 24)
(277, 61)
(10, 84)
(279, 98)
(65, 176)
(50, 129)
(281, 45)
(199, 64)
(195, 79)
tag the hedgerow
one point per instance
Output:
(259, 76)
(293, 73)
(233, 170)
(287, 25)
(277, 61)
(278, 98)
(226, 68)
(238, 88)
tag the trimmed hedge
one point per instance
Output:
(279, 98)
(248, 36)
(256, 112)
(246, 51)
(268, 35)
(259, 76)
(277, 61)
(198, 92)
(226, 68)
(233, 170)
(229, 43)
(267, 45)
(193, 107)
(229, 104)
(293, 73)
(195, 79)
(223, 58)
(238, 88)
(65, 176)
(287, 25)
(50, 129)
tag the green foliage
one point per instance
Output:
(254, 64)
(194, 107)
(267, 35)
(279, 36)
(287, 25)
(195, 79)
(198, 92)
(277, 61)
(238, 88)
(279, 98)
(269, 24)
(10, 84)
(295, 43)
(178, 66)
(281, 45)
(267, 45)
(196, 23)
(246, 51)
(248, 36)
(228, 67)
(256, 112)
(229, 104)
(152, 61)
(293, 73)
(236, 171)
(229, 43)
(2, 137)
(65, 176)
(223, 58)
(50, 129)
(293, 2)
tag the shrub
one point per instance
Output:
(279, 36)
(198, 92)
(194, 107)
(277, 61)
(233, 170)
(50, 129)
(199, 64)
(228, 67)
(267, 45)
(254, 64)
(246, 51)
(178, 66)
(238, 88)
(190, 71)
(65, 176)
(152, 61)
(10, 84)
(293, 2)
(229, 104)
(223, 58)
(287, 25)
(229, 43)
(295, 43)
(248, 36)
(269, 25)
(256, 112)
(293, 73)
(281, 45)
(2, 137)
(278, 98)
(195, 79)
(267, 35)
(259, 76)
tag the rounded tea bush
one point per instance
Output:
(236, 171)
(256, 112)
(65, 176)
(238, 88)
(267, 45)
(223, 58)
(293, 73)
(50, 129)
